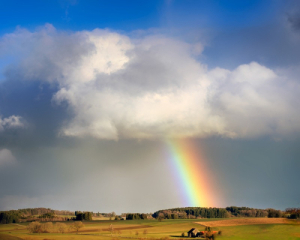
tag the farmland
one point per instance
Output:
(172, 229)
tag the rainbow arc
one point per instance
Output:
(192, 173)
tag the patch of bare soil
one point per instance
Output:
(243, 221)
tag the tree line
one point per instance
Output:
(12, 216)
(246, 212)
(34, 211)
(133, 216)
(254, 212)
(199, 212)
(191, 212)
(47, 214)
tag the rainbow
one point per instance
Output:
(191, 173)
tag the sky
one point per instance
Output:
(92, 93)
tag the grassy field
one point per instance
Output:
(147, 229)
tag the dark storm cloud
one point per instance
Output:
(32, 101)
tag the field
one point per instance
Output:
(268, 229)
(244, 221)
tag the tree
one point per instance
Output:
(34, 227)
(61, 227)
(272, 213)
(79, 216)
(88, 216)
(77, 226)
(47, 227)
(160, 217)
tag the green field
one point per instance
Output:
(171, 229)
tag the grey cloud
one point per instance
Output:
(32, 101)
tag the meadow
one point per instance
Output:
(166, 229)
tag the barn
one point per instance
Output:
(193, 233)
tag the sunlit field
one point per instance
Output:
(153, 229)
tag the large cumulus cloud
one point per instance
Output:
(116, 86)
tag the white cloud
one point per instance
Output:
(6, 157)
(11, 122)
(254, 101)
(117, 87)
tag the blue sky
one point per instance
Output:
(133, 15)
(89, 90)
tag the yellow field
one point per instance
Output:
(172, 229)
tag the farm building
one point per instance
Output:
(193, 232)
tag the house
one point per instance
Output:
(193, 233)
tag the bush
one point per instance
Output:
(47, 227)
(77, 225)
(61, 227)
(35, 227)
